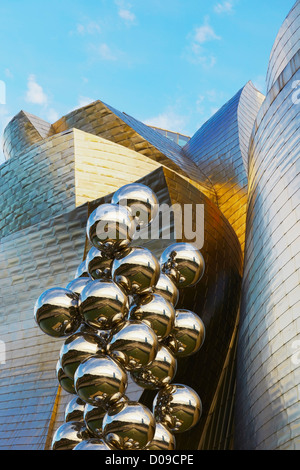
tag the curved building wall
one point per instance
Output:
(286, 45)
(219, 149)
(268, 372)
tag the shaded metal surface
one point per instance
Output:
(268, 372)
(286, 45)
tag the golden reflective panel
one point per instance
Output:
(136, 270)
(110, 228)
(56, 312)
(100, 381)
(178, 407)
(156, 312)
(133, 344)
(183, 263)
(103, 304)
(128, 426)
(159, 373)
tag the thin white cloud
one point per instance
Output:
(224, 7)
(205, 33)
(84, 101)
(127, 15)
(5, 117)
(168, 120)
(91, 27)
(35, 93)
(105, 52)
(52, 115)
(196, 52)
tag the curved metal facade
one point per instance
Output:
(287, 43)
(268, 411)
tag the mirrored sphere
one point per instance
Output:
(78, 284)
(100, 381)
(74, 410)
(136, 270)
(103, 304)
(178, 407)
(93, 418)
(183, 263)
(68, 436)
(110, 228)
(133, 344)
(167, 289)
(92, 444)
(56, 312)
(98, 265)
(189, 332)
(76, 349)
(156, 312)
(81, 271)
(159, 373)
(128, 426)
(140, 199)
(65, 382)
(163, 439)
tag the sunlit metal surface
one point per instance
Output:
(167, 289)
(163, 439)
(68, 436)
(92, 445)
(98, 264)
(268, 370)
(74, 410)
(93, 418)
(286, 45)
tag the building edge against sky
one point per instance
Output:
(55, 174)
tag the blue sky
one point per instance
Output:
(170, 63)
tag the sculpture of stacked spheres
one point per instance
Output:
(119, 318)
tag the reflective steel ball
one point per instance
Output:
(103, 304)
(98, 265)
(93, 418)
(178, 407)
(156, 312)
(163, 439)
(93, 444)
(183, 263)
(189, 333)
(128, 426)
(81, 271)
(56, 312)
(136, 270)
(65, 382)
(76, 349)
(133, 344)
(78, 284)
(167, 289)
(74, 410)
(100, 381)
(110, 228)
(159, 373)
(140, 199)
(68, 436)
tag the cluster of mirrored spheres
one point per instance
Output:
(119, 318)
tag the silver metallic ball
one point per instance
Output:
(183, 263)
(56, 312)
(189, 333)
(128, 426)
(74, 410)
(133, 344)
(167, 289)
(163, 439)
(76, 349)
(93, 418)
(156, 312)
(103, 304)
(78, 284)
(93, 444)
(159, 373)
(140, 199)
(100, 381)
(178, 407)
(110, 228)
(65, 382)
(81, 271)
(68, 436)
(98, 265)
(136, 270)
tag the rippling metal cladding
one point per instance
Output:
(128, 426)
